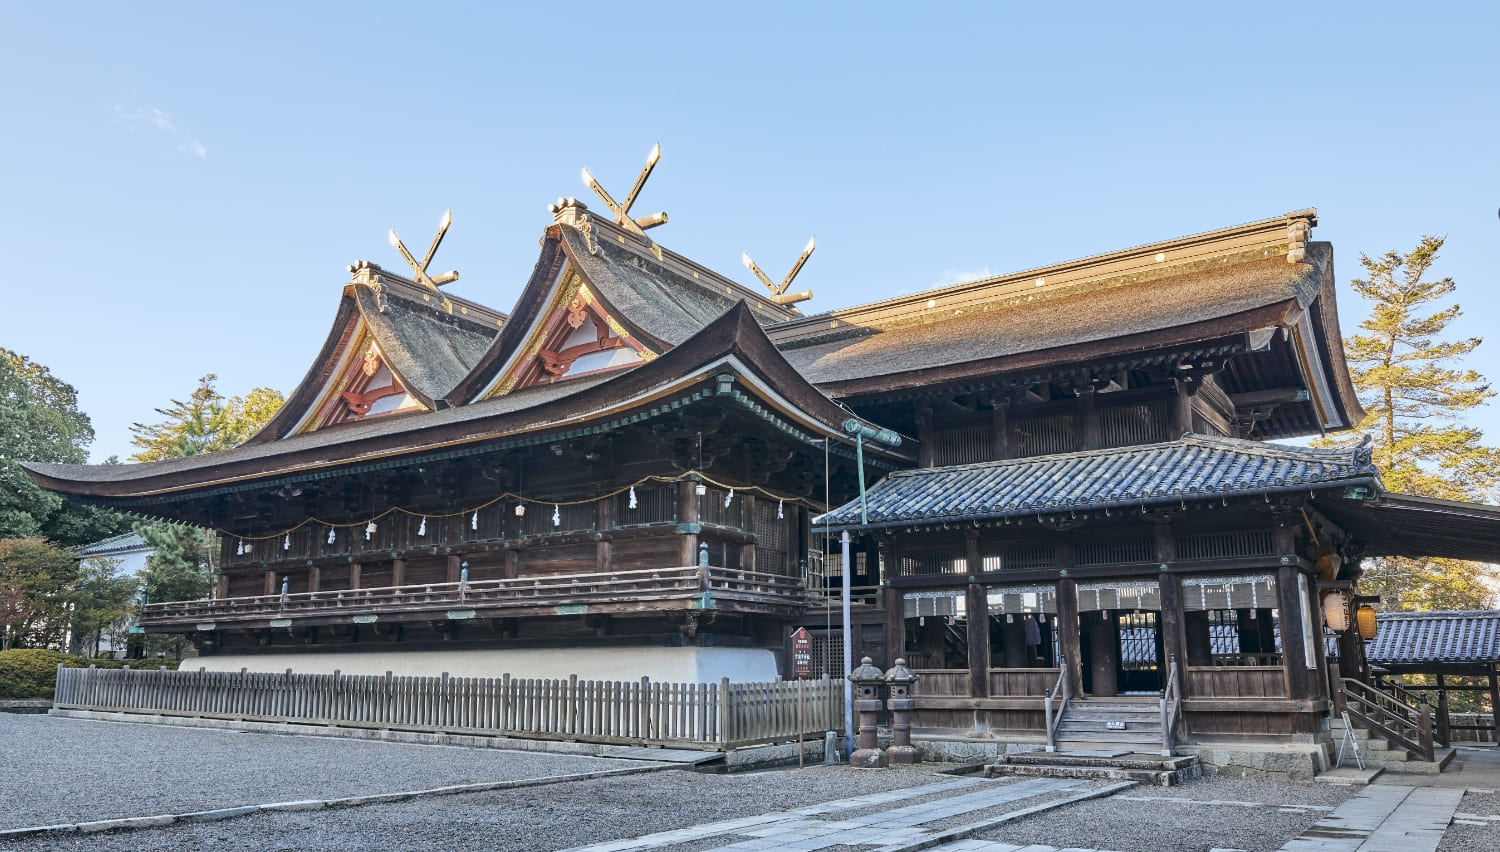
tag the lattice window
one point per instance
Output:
(962, 445)
(1119, 550)
(1038, 436)
(711, 509)
(576, 518)
(938, 562)
(772, 540)
(654, 504)
(1224, 545)
(828, 654)
(1123, 595)
(1243, 591)
(1018, 557)
(1128, 425)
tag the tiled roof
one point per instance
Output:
(1432, 638)
(1193, 467)
(113, 544)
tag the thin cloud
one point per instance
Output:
(961, 276)
(156, 118)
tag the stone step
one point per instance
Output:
(1130, 760)
(1158, 777)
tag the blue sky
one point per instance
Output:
(184, 183)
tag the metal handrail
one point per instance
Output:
(1061, 688)
(1171, 708)
(1397, 722)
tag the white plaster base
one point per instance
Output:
(664, 665)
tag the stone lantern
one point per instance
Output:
(867, 681)
(900, 703)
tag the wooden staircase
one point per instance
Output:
(1110, 724)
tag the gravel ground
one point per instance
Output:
(524, 820)
(60, 770)
(1474, 838)
(1155, 818)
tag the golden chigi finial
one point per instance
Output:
(622, 211)
(419, 270)
(779, 295)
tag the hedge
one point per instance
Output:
(32, 672)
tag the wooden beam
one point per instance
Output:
(1066, 622)
(1495, 701)
(1000, 435)
(1087, 418)
(1294, 652)
(894, 604)
(687, 513)
(977, 606)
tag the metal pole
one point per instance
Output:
(848, 567)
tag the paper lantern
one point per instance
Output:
(1336, 610)
(1366, 619)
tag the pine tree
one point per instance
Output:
(1415, 393)
(205, 423)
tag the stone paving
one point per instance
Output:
(801, 830)
(1384, 818)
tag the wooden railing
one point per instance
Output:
(1236, 681)
(1021, 683)
(1399, 723)
(1060, 689)
(1171, 708)
(944, 683)
(522, 592)
(696, 715)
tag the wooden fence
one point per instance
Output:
(691, 715)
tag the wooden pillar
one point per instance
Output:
(924, 434)
(512, 568)
(1066, 622)
(1000, 434)
(1104, 649)
(1444, 723)
(747, 550)
(314, 578)
(270, 584)
(1495, 702)
(221, 586)
(1182, 408)
(604, 521)
(1087, 419)
(1173, 621)
(977, 607)
(354, 570)
(1294, 652)
(398, 572)
(687, 514)
(894, 604)
(453, 568)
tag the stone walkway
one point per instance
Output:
(1384, 818)
(803, 829)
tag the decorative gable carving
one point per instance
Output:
(366, 388)
(578, 336)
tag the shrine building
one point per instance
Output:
(645, 468)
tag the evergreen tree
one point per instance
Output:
(40, 422)
(1415, 392)
(205, 423)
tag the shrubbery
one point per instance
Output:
(32, 672)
